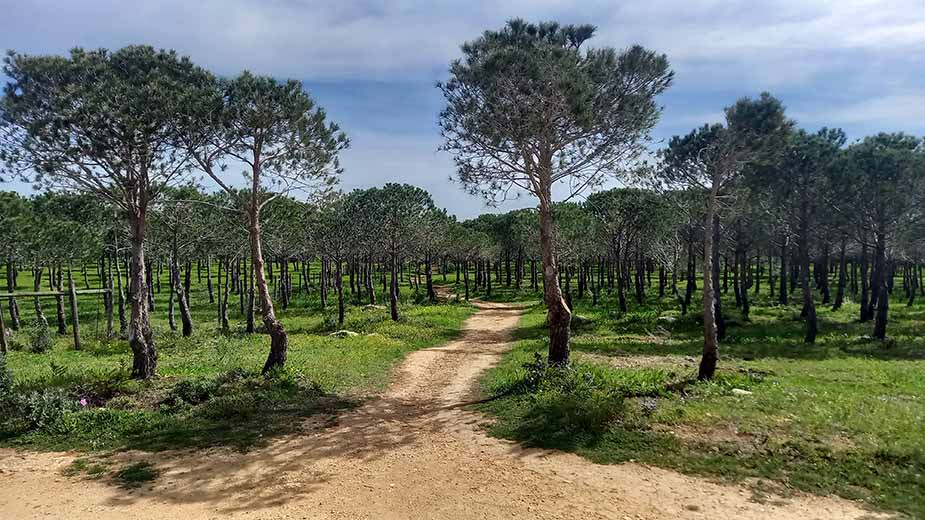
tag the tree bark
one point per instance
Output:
(866, 314)
(842, 276)
(37, 286)
(717, 300)
(782, 295)
(558, 316)
(185, 317)
(393, 289)
(279, 340)
(58, 284)
(140, 335)
(10, 287)
(710, 349)
(883, 295)
(339, 284)
(809, 306)
(431, 294)
(123, 322)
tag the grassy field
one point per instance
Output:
(844, 416)
(209, 391)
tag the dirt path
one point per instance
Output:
(414, 453)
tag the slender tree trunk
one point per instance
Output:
(11, 287)
(279, 340)
(393, 288)
(466, 276)
(717, 300)
(110, 300)
(249, 326)
(37, 286)
(56, 284)
(621, 280)
(710, 342)
(782, 295)
(744, 285)
(558, 316)
(431, 294)
(809, 306)
(883, 295)
(140, 335)
(123, 322)
(691, 273)
(842, 276)
(866, 314)
(339, 284)
(171, 319)
(185, 317)
(209, 279)
(3, 346)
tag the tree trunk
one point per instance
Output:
(123, 322)
(10, 287)
(809, 306)
(279, 340)
(249, 326)
(110, 300)
(558, 315)
(181, 299)
(883, 295)
(466, 277)
(393, 288)
(37, 286)
(842, 276)
(782, 295)
(171, 319)
(865, 287)
(140, 335)
(744, 285)
(431, 294)
(710, 349)
(209, 279)
(717, 300)
(58, 285)
(339, 284)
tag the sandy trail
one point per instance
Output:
(416, 452)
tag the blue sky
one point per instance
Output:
(855, 64)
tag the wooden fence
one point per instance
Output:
(71, 294)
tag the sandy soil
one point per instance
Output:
(414, 453)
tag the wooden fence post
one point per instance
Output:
(75, 321)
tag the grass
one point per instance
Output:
(209, 391)
(135, 475)
(841, 417)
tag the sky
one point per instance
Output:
(854, 64)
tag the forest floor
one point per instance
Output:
(417, 451)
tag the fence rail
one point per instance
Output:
(72, 293)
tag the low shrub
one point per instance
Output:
(40, 339)
(192, 391)
(44, 409)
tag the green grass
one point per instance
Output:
(224, 401)
(135, 475)
(842, 417)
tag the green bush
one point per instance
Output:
(40, 339)
(192, 391)
(561, 404)
(6, 378)
(44, 409)
(237, 406)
